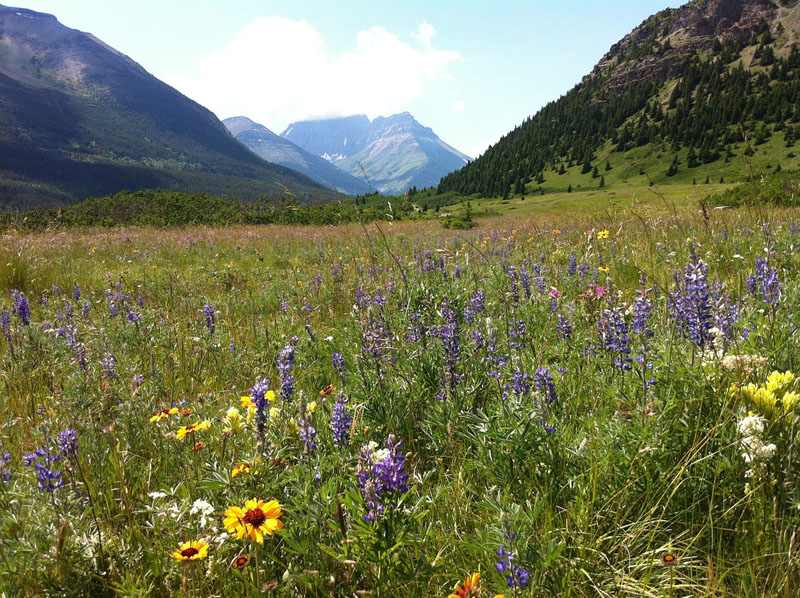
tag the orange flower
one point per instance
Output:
(469, 588)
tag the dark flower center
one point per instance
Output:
(189, 552)
(255, 517)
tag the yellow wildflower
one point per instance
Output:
(192, 428)
(191, 551)
(256, 519)
(233, 419)
(163, 414)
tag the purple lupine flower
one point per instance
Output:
(337, 360)
(573, 265)
(767, 282)
(690, 303)
(516, 576)
(477, 304)
(109, 365)
(42, 460)
(258, 396)
(525, 280)
(134, 317)
(642, 308)
(308, 433)
(362, 299)
(416, 332)
(5, 461)
(376, 339)
(140, 301)
(448, 334)
(76, 292)
(751, 284)
(284, 305)
(544, 384)
(726, 314)
(5, 323)
(22, 308)
(68, 442)
(112, 309)
(379, 300)
(613, 336)
(211, 319)
(137, 380)
(86, 308)
(520, 383)
(380, 473)
(285, 365)
(516, 335)
(341, 421)
(56, 289)
(478, 338)
(79, 350)
(564, 327)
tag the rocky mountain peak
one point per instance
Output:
(656, 47)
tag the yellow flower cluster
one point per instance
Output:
(775, 398)
(233, 421)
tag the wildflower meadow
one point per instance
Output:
(594, 404)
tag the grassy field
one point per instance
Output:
(556, 400)
(631, 199)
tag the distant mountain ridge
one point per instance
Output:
(278, 150)
(395, 152)
(80, 118)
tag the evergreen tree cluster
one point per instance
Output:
(705, 106)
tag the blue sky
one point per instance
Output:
(469, 70)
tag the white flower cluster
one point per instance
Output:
(202, 508)
(755, 449)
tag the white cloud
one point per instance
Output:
(277, 70)
(459, 106)
(425, 34)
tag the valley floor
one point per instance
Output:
(568, 400)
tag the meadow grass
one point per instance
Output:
(564, 384)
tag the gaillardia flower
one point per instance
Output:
(163, 414)
(244, 468)
(240, 562)
(191, 428)
(191, 551)
(255, 520)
